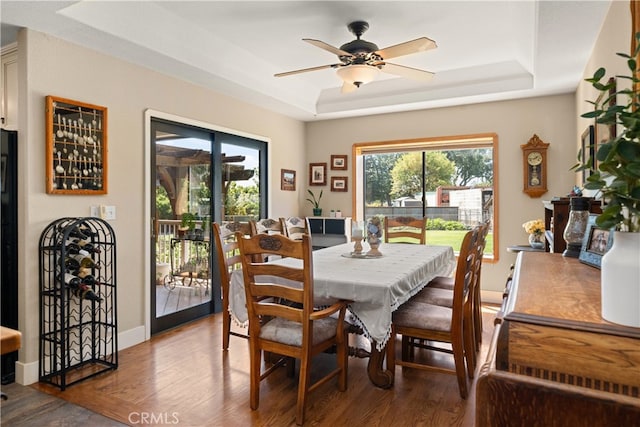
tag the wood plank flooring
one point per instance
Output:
(182, 377)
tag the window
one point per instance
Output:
(449, 180)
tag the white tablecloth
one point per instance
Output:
(377, 286)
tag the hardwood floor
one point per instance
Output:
(182, 377)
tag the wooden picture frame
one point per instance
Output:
(604, 132)
(596, 242)
(76, 147)
(339, 183)
(317, 174)
(338, 162)
(287, 180)
(588, 154)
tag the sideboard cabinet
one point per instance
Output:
(553, 360)
(329, 231)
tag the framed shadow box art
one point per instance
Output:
(596, 242)
(76, 151)
(587, 153)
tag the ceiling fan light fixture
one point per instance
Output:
(358, 74)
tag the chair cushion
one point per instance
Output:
(442, 282)
(420, 315)
(436, 296)
(290, 333)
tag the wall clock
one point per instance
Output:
(534, 156)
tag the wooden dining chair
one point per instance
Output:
(294, 227)
(440, 292)
(442, 282)
(266, 226)
(434, 323)
(286, 323)
(228, 256)
(405, 229)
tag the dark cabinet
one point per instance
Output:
(329, 231)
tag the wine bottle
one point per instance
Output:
(75, 232)
(80, 287)
(71, 281)
(71, 264)
(83, 244)
(85, 292)
(84, 260)
(72, 248)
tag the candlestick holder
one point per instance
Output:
(357, 247)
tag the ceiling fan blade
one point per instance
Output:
(327, 47)
(304, 70)
(348, 87)
(408, 72)
(406, 48)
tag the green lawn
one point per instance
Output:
(454, 239)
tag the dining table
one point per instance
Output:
(375, 287)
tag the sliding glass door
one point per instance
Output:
(200, 176)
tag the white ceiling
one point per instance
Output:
(487, 50)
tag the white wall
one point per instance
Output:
(50, 66)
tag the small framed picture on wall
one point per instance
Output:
(338, 162)
(339, 183)
(317, 174)
(287, 180)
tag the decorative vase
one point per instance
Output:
(317, 211)
(620, 275)
(374, 244)
(536, 240)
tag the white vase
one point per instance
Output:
(621, 280)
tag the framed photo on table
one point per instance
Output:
(317, 174)
(339, 183)
(287, 180)
(338, 162)
(596, 242)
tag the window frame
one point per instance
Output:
(441, 143)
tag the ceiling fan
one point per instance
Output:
(361, 61)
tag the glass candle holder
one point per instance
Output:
(576, 226)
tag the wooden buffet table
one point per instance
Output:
(553, 360)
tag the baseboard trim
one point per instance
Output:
(28, 373)
(492, 297)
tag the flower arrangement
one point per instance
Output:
(535, 226)
(374, 230)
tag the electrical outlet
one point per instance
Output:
(95, 211)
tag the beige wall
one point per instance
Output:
(49, 66)
(551, 118)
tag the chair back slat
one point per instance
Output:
(257, 290)
(407, 229)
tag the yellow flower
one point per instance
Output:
(535, 226)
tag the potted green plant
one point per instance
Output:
(188, 223)
(617, 179)
(315, 202)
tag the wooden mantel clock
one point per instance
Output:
(534, 156)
